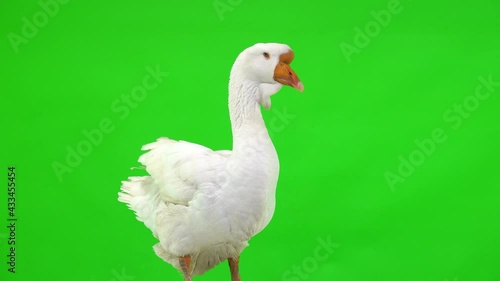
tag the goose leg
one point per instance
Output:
(185, 264)
(233, 267)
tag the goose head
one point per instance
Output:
(266, 65)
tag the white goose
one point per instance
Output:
(204, 205)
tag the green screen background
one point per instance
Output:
(341, 137)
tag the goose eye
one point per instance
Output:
(266, 55)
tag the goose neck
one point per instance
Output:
(244, 110)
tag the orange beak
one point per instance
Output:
(284, 74)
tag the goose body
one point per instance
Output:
(203, 205)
